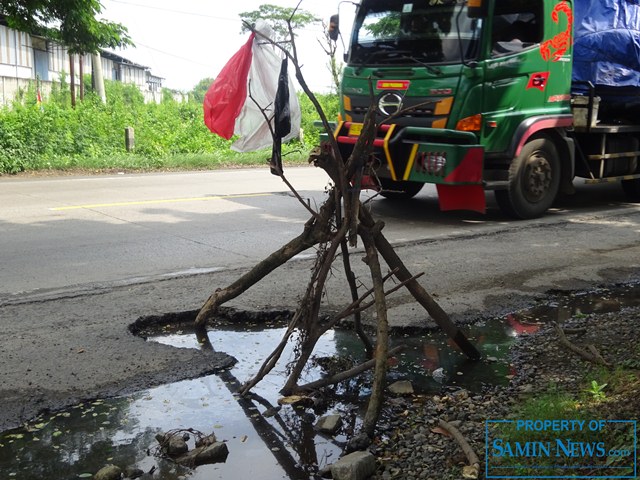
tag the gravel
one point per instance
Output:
(410, 445)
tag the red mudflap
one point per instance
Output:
(462, 197)
(369, 183)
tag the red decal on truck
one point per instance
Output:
(538, 80)
(559, 98)
(561, 42)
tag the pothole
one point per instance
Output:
(266, 441)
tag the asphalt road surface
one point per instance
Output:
(64, 233)
(82, 258)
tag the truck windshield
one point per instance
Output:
(414, 32)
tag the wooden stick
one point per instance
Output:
(382, 335)
(593, 357)
(419, 293)
(357, 370)
(473, 459)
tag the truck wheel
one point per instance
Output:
(534, 181)
(399, 190)
(631, 189)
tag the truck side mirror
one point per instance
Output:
(334, 27)
(478, 8)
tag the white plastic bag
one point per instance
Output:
(262, 85)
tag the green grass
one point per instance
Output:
(590, 403)
(142, 163)
(90, 137)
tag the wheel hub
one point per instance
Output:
(537, 178)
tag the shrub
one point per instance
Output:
(52, 135)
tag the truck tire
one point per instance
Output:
(399, 190)
(631, 189)
(534, 181)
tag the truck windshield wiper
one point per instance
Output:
(430, 68)
(387, 53)
(379, 53)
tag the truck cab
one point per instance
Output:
(475, 96)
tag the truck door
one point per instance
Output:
(516, 74)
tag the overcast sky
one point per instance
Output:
(189, 40)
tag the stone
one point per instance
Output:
(329, 424)
(420, 437)
(133, 472)
(109, 472)
(175, 446)
(401, 387)
(325, 472)
(206, 441)
(354, 466)
(215, 453)
(358, 442)
(172, 445)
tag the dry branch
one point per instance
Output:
(315, 231)
(347, 374)
(382, 334)
(472, 458)
(311, 323)
(592, 356)
(419, 293)
(353, 288)
(333, 228)
(358, 306)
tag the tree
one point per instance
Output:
(70, 22)
(388, 26)
(282, 18)
(335, 66)
(278, 18)
(201, 88)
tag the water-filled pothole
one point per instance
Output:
(263, 443)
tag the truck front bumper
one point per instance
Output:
(450, 159)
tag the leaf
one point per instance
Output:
(295, 400)
(441, 431)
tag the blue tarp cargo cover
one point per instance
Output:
(606, 47)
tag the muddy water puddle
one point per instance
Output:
(264, 442)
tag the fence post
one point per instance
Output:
(129, 139)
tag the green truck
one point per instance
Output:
(482, 95)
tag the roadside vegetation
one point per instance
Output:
(609, 398)
(603, 398)
(171, 135)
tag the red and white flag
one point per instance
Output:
(244, 86)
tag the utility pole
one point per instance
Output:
(81, 65)
(72, 82)
(98, 79)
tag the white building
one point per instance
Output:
(25, 58)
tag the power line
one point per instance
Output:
(199, 15)
(173, 55)
(177, 11)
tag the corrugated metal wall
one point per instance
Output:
(17, 63)
(16, 54)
